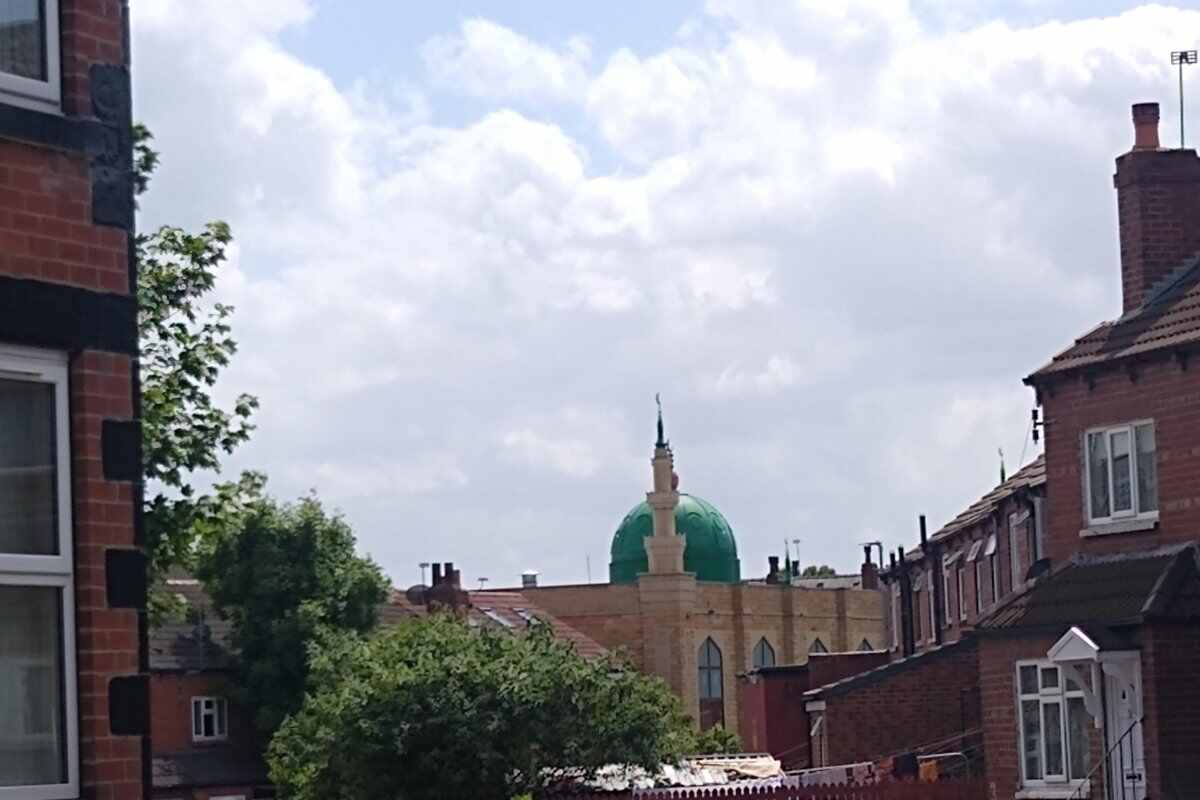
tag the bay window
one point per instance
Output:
(29, 59)
(1122, 476)
(38, 727)
(1053, 723)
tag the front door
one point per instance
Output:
(1127, 761)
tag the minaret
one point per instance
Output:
(664, 549)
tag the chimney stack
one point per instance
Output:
(437, 573)
(1158, 208)
(1145, 126)
(870, 572)
(772, 569)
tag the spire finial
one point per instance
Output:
(662, 440)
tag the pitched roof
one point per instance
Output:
(515, 611)
(191, 646)
(197, 647)
(1032, 474)
(885, 671)
(1107, 590)
(213, 766)
(1169, 318)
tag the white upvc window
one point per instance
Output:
(29, 54)
(1018, 522)
(39, 739)
(1053, 725)
(931, 635)
(949, 570)
(209, 719)
(962, 598)
(1121, 472)
(989, 552)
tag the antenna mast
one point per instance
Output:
(1181, 57)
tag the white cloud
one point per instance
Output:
(489, 60)
(833, 236)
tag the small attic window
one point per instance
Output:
(497, 617)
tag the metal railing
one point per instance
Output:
(1127, 774)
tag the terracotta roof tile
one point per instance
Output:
(1169, 318)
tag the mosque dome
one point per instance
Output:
(710, 551)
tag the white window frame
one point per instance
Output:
(50, 367)
(962, 600)
(34, 94)
(932, 636)
(979, 586)
(1060, 695)
(219, 735)
(1016, 519)
(1134, 512)
(947, 565)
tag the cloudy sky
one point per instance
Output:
(475, 238)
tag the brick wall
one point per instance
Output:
(1171, 697)
(928, 698)
(171, 697)
(54, 241)
(1162, 390)
(665, 638)
(1158, 207)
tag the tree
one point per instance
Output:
(286, 576)
(431, 709)
(823, 571)
(185, 342)
(716, 740)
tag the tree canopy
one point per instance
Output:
(286, 576)
(432, 708)
(822, 571)
(185, 341)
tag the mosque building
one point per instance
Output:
(677, 606)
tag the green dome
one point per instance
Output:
(710, 552)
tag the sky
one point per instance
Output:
(474, 239)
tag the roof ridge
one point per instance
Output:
(1168, 282)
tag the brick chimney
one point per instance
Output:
(1158, 207)
(870, 572)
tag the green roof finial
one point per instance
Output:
(662, 441)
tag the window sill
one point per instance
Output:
(1062, 791)
(1132, 525)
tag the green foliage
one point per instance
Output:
(715, 740)
(286, 576)
(823, 571)
(185, 342)
(431, 709)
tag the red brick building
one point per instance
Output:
(205, 746)
(1069, 597)
(771, 702)
(1101, 654)
(73, 693)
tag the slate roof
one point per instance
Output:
(1169, 318)
(1109, 590)
(191, 646)
(213, 766)
(1031, 475)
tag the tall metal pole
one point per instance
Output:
(1182, 57)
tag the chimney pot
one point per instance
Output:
(772, 569)
(1145, 126)
(924, 535)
